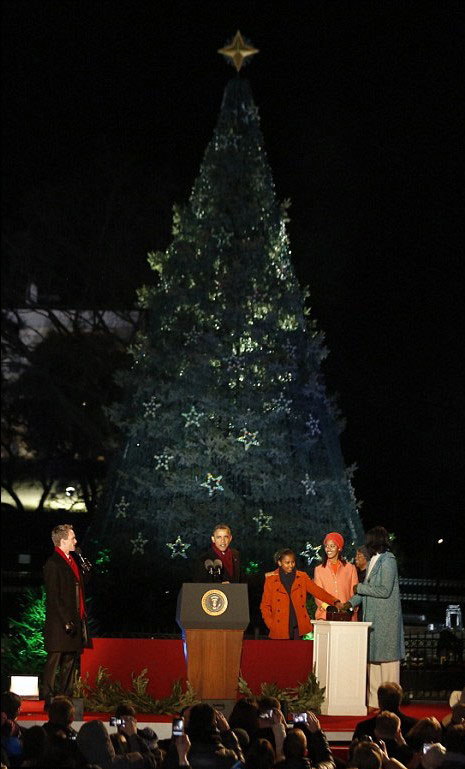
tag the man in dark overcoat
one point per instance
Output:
(227, 559)
(66, 631)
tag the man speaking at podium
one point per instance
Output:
(220, 563)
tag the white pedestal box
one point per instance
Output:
(340, 653)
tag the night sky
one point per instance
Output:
(107, 110)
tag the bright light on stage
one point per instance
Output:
(25, 686)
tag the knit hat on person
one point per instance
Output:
(434, 757)
(337, 538)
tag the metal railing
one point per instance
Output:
(434, 663)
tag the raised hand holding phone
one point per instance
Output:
(178, 727)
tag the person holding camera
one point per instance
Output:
(66, 632)
(272, 724)
(369, 755)
(94, 742)
(62, 737)
(306, 745)
(211, 744)
(127, 738)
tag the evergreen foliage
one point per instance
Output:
(227, 417)
(23, 649)
(306, 696)
(106, 694)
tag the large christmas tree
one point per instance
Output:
(227, 417)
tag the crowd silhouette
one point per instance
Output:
(257, 735)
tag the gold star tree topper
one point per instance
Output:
(238, 50)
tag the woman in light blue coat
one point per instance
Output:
(379, 595)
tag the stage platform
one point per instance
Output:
(285, 663)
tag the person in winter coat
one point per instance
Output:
(334, 574)
(220, 563)
(94, 742)
(283, 604)
(379, 596)
(66, 633)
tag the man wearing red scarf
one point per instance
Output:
(228, 557)
(66, 632)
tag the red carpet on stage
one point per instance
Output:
(282, 662)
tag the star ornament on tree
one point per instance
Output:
(309, 485)
(151, 407)
(162, 460)
(263, 521)
(282, 404)
(248, 439)
(178, 548)
(121, 508)
(313, 426)
(237, 51)
(192, 417)
(213, 484)
(138, 544)
(311, 553)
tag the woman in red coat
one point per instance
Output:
(335, 574)
(284, 599)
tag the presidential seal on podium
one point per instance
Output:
(214, 602)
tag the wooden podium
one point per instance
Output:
(213, 619)
(340, 651)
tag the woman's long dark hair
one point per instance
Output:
(377, 540)
(260, 755)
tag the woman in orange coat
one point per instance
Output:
(334, 574)
(283, 604)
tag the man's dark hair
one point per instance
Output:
(11, 703)
(387, 725)
(201, 726)
(390, 696)
(295, 744)
(266, 703)
(124, 709)
(61, 710)
(245, 716)
(454, 741)
(222, 526)
(260, 755)
(367, 755)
